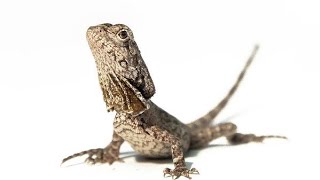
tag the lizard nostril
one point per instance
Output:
(123, 63)
(106, 24)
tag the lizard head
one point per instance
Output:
(124, 78)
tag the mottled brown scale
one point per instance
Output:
(152, 132)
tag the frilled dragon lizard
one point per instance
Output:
(152, 132)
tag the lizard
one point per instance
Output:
(127, 88)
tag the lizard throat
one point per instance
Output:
(120, 95)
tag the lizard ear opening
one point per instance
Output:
(122, 97)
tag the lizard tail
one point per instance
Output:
(205, 120)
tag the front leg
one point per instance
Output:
(180, 168)
(108, 154)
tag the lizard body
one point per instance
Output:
(152, 132)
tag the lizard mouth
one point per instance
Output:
(140, 86)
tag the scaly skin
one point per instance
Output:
(152, 132)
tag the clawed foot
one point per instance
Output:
(100, 155)
(180, 171)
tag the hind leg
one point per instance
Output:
(201, 138)
(238, 138)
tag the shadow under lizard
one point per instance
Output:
(152, 132)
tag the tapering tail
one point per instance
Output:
(205, 120)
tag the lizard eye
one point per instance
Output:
(123, 34)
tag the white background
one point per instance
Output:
(51, 105)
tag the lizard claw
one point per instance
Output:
(180, 171)
(194, 171)
(97, 156)
(101, 156)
